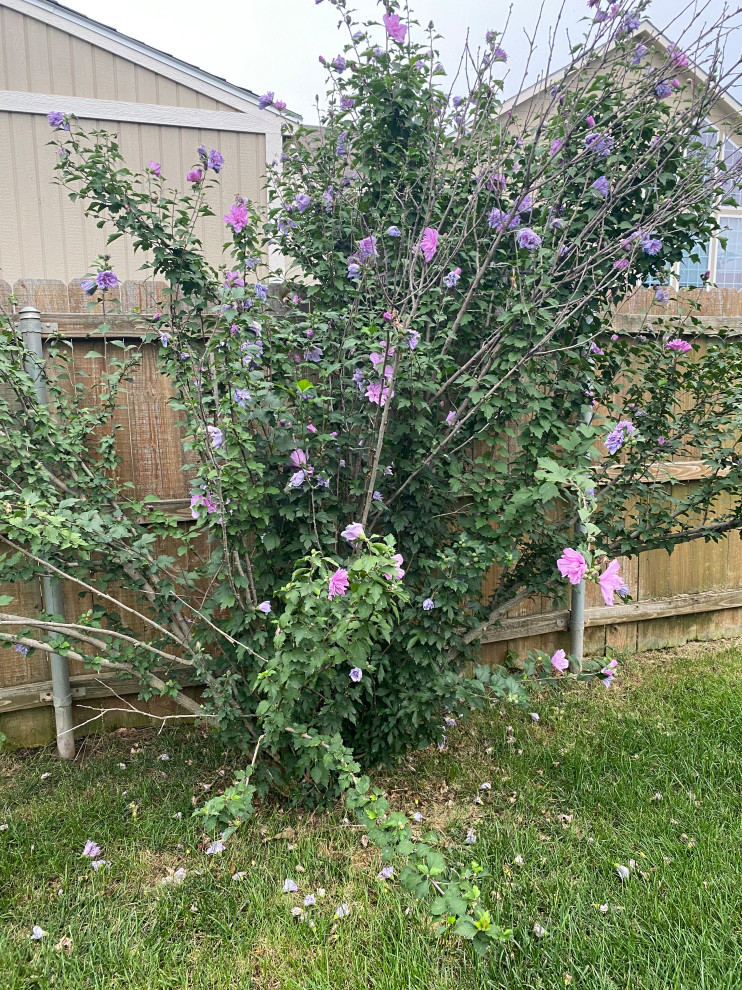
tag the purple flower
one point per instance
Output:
(314, 354)
(57, 119)
(356, 674)
(215, 161)
(303, 202)
(394, 27)
(394, 232)
(471, 837)
(639, 52)
(556, 147)
(20, 648)
(97, 863)
(367, 248)
(594, 349)
(682, 346)
(347, 102)
(339, 63)
(601, 144)
(651, 245)
(242, 397)
(195, 175)
(628, 25)
(429, 243)
(358, 380)
(341, 147)
(264, 607)
(164, 339)
(266, 100)
(215, 436)
(338, 584)
(289, 887)
(496, 218)
(155, 168)
(261, 291)
(661, 295)
(451, 418)
(621, 265)
(559, 661)
(386, 873)
(618, 437)
(413, 339)
(662, 90)
(428, 604)
(237, 217)
(91, 850)
(377, 393)
(601, 186)
(500, 53)
(354, 270)
(353, 532)
(297, 479)
(535, 717)
(496, 182)
(527, 239)
(572, 565)
(452, 278)
(106, 279)
(37, 932)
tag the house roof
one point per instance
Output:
(57, 15)
(646, 33)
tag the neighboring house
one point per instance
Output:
(725, 131)
(52, 58)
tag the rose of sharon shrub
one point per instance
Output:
(408, 418)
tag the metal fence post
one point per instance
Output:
(30, 323)
(577, 603)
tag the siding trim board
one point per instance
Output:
(135, 51)
(248, 122)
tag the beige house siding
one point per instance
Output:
(38, 58)
(44, 235)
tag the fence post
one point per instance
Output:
(30, 323)
(577, 604)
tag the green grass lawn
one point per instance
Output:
(650, 771)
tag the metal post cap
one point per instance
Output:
(29, 313)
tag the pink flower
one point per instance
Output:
(610, 581)
(394, 27)
(429, 243)
(609, 673)
(590, 120)
(338, 583)
(572, 565)
(298, 458)
(237, 217)
(311, 428)
(678, 345)
(399, 573)
(156, 168)
(377, 394)
(559, 661)
(195, 175)
(451, 418)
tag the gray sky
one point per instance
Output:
(274, 45)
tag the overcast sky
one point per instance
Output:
(274, 45)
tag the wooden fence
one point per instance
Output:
(695, 594)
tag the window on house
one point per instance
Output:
(690, 271)
(729, 260)
(732, 159)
